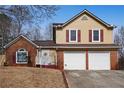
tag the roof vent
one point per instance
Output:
(84, 18)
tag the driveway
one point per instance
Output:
(95, 79)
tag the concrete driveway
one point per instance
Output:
(95, 79)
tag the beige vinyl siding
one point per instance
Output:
(84, 26)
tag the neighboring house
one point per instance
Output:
(82, 43)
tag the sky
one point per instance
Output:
(110, 14)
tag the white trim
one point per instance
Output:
(37, 58)
(104, 67)
(74, 60)
(93, 36)
(99, 52)
(100, 20)
(16, 39)
(16, 56)
(70, 35)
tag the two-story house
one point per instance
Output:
(82, 43)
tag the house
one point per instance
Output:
(82, 43)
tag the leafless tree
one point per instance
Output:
(24, 16)
(49, 32)
(5, 23)
(24, 19)
(35, 34)
(119, 39)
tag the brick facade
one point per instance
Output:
(21, 43)
(113, 60)
(32, 52)
(60, 60)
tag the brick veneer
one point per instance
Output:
(113, 59)
(21, 43)
(60, 60)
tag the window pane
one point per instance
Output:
(96, 35)
(21, 57)
(73, 35)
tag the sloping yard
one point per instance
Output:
(16, 77)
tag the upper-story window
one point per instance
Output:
(96, 35)
(72, 35)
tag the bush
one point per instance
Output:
(121, 63)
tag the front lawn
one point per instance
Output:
(23, 77)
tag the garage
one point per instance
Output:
(74, 60)
(99, 60)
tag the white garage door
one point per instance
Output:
(99, 61)
(74, 60)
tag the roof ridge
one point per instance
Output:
(89, 13)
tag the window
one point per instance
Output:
(96, 35)
(21, 56)
(73, 35)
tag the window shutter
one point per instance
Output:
(67, 35)
(79, 36)
(14, 58)
(101, 35)
(90, 35)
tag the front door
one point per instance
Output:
(45, 57)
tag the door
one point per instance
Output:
(45, 57)
(74, 60)
(99, 60)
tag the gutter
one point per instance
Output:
(78, 47)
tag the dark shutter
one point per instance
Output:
(101, 35)
(67, 35)
(14, 58)
(79, 36)
(90, 35)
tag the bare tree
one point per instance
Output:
(119, 39)
(26, 16)
(5, 23)
(49, 32)
(35, 34)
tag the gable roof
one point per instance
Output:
(84, 12)
(52, 44)
(82, 46)
(44, 42)
(17, 38)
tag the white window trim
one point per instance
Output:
(21, 62)
(76, 35)
(93, 36)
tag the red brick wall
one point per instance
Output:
(60, 60)
(21, 43)
(114, 60)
